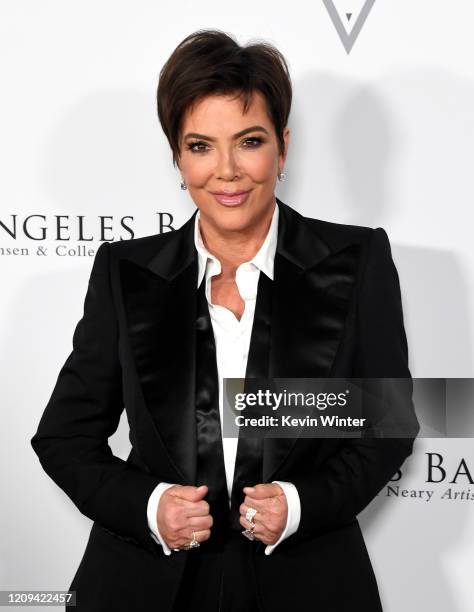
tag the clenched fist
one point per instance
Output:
(181, 510)
(269, 500)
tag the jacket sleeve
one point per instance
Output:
(84, 410)
(152, 509)
(351, 478)
(294, 511)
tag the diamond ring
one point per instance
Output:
(249, 514)
(193, 544)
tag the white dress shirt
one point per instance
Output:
(232, 338)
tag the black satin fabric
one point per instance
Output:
(210, 455)
(249, 457)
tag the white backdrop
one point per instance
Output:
(382, 136)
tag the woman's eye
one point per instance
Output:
(255, 140)
(192, 146)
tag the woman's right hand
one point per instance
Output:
(181, 510)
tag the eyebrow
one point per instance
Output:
(253, 128)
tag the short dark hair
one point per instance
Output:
(212, 62)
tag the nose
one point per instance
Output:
(227, 167)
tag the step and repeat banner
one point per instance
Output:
(381, 135)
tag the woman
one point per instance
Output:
(246, 287)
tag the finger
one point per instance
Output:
(260, 532)
(186, 535)
(256, 504)
(197, 508)
(260, 516)
(200, 522)
(252, 502)
(267, 515)
(261, 519)
(263, 490)
(248, 525)
(189, 492)
(266, 502)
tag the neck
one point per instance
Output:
(233, 247)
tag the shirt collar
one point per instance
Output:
(263, 259)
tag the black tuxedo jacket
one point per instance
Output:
(336, 312)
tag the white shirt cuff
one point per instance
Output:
(152, 508)
(294, 513)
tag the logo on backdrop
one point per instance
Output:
(69, 235)
(448, 479)
(348, 17)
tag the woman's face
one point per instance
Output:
(217, 156)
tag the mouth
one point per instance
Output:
(229, 198)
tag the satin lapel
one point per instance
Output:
(160, 307)
(313, 286)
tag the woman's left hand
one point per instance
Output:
(269, 501)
